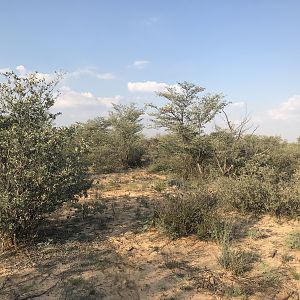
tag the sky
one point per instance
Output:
(121, 51)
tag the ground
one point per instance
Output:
(106, 247)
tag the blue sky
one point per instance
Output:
(121, 51)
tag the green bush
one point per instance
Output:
(258, 196)
(293, 241)
(115, 143)
(40, 164)
(193, 213)
(238, 262)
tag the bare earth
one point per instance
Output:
(105, 248)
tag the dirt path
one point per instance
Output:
(104, 248)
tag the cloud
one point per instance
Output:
(73, 99)
(74, 74)
(22, 70)
(146, 87)
(140, 64)
(4, 70)
(287, 110)
(105, 76)
(90, 72)
(78, 106)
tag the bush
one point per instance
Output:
(193, 213)
(261, 192)
(293, 241)
(238, 262)
(246, 194)
(41, 165)
(115, 143)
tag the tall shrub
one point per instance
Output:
(40, 164)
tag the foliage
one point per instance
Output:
(101, 156)
(115, 142)
(193, 213)
(293, 240)
(41, 165)
(126, 127)
(187, 114)
(249, 173)
(237, 261)
(261, 189)
(185, 117)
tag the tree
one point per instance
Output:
(125, 122)
(101, 156)
(41, 165)
(186, 114)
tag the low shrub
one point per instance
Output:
(193, 213)
(248, 194)
(159, 185)
(237, 261)
(293, 240)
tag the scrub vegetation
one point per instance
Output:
(190, 213)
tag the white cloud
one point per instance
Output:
(140, 64)
(90, 72)
(147, 86)
(4, 70)
(72, 99)
(50, 76)
(287, 110)
(105, 76)
(22, 70)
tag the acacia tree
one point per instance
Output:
(126, 126)
(40, 164)
(186, 115)
(101, 156)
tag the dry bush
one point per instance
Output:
(193, 213)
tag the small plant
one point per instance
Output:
(235, 291)
(77, 281)
(159, 185)
(256, 234)
(293, 240)
(286, 258)
(172, 264)
(238, 262)
(294, 274)
(221, 231)
(86, 209)
(179, 183)
(269, 278)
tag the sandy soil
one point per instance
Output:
(104, 247)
